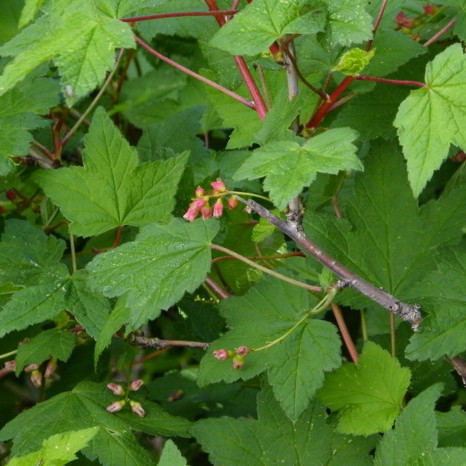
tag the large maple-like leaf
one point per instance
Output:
(80, 36)
(289, 166)
(434, 117)
(296, 365)
(111, 189)
(156, 269)
(369, 393)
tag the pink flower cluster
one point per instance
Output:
(201, 202)
(403, 21)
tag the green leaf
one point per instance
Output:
(367, 394)
(90, 35)
(262, 22)
(30, 259)
(58, 449)
(441, 332)
(434, 117)
(30, 9)
(385, 237)
(83, 408)
(171, 456)
(452, 427)
(19, 110)
(27, 255)
(415, 431)
(111, 190)
(90, 309)
(118, 317)
(289, 167)
(353, 61)
(55, 343)
(273, 439)
(348, 22)
(296, 365)
(157, 268)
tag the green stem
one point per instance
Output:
(94, 102)
(73, 254)
(240, 193)
(7, 355)
(365, 335)
(265, 269)
(321, 306)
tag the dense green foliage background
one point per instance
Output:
(147, 317)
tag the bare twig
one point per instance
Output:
(158, 344)
(408, 312)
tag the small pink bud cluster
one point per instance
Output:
(201, 202)
(237, 356)
(118, 390)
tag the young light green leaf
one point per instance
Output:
(434, 117)
(56, 343)
(83, 408)
(30, 9)
(289, 166)
(111, 190)
(263, 21)
(367, 394)
(90, 35)
(296, 365)
(157, 268)
(273, 438)
(415, 431)
(58, 450)
(354, 61)
(171, 456)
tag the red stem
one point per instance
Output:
(390, 81)
(214, 286)
(377, 24)
(205, 80)
(440, 32)
(353, 352)
(322, 111)
(117, 237)
(259, 103)
(179, 14)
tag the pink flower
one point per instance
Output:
(242, 350)
(50, 369)
(116, 389)
(403, 21)
(136, 385)
(198, 203)
(221, 354)
(199, 192)
(218, 186)
(116, 406)
(232, 202)
(191, 214)
(206, 212)
(218, 208)
(137, 408)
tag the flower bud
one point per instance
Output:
(136, 385)
(232, 202)
(198, 203)
(116, 406)
(36, 378)
(218, 186)
(137, 408)
(430, 9)
(31, 367)
(116, 389)
(199, 192)
(238, 361)
(176, 395)
(221, 354)
(11, 194)
(242, 350)
(10, 365)
(50, 369)
(218, 208)
(403, 21)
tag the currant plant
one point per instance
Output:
(232, 232)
